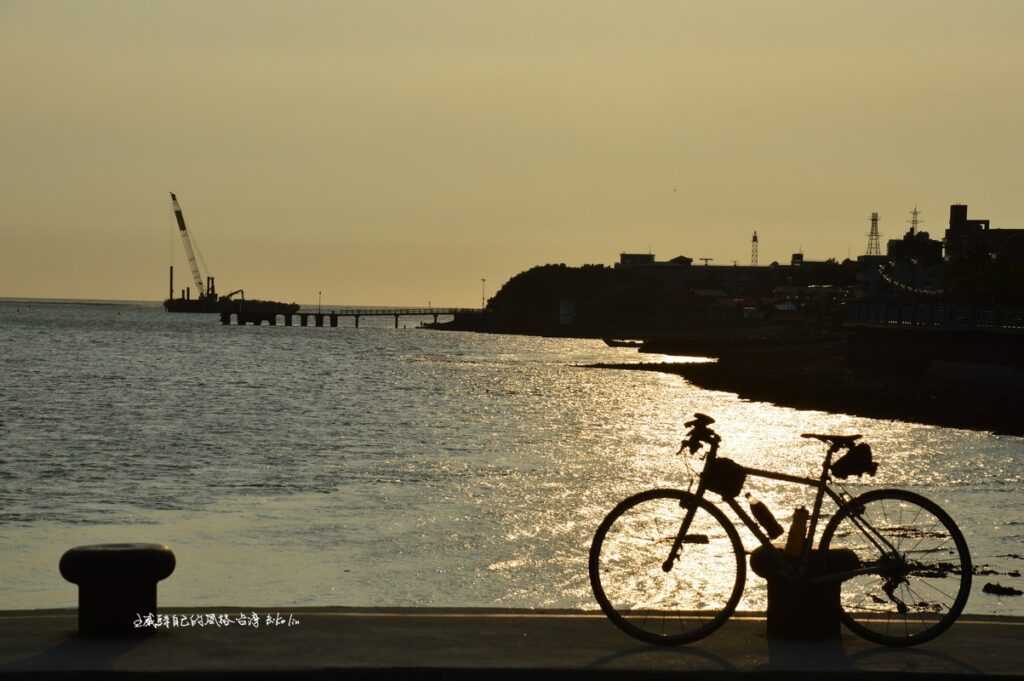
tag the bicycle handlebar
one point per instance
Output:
(700, 433)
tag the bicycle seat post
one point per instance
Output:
(819, 497)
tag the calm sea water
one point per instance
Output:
(390, 467)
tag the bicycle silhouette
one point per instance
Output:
(668, 567)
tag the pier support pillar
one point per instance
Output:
(288, 320)
(435, 320)
(225, 317)
(273, 320)
(357, 321)
(800, 610)
(319, 319)
(396, 321)
(304, 319)
(334, 321)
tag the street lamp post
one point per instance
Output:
(483, 283)
(319, 298)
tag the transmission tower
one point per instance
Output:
(915, 221)
(753, 249)
(873, 247)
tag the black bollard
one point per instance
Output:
(798, 609)
(116, 584)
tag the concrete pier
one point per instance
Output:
(473, 644)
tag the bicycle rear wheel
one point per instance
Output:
(700, 591)
(923, 575)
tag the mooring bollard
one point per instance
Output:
(799, 609)
(116, 584)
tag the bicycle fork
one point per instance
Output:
(683, 536)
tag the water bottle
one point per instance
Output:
(797, 533)
(764, 517)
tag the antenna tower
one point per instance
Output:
(873, 247)
(753, 249)
(915, 221)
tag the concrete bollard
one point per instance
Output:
(799, 610)
(116, 583)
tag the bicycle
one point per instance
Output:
(667, 566)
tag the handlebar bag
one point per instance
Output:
(724, 477)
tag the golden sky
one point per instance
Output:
(396, 152)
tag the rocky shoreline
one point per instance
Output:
(816, 376)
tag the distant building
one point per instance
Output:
(647, 260)
(635, 260)
(681, 274)
(914, 245)
(970, 239)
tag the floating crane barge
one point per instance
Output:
(207, 300)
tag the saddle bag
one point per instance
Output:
(857, 461)
(724, 477)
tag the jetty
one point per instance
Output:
(258, 317)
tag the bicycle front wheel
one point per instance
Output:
(921, 574)
(628, 559)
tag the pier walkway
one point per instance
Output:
(474, 644)
(332, 316)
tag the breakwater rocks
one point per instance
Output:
(816, 376)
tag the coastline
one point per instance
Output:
(815, 376)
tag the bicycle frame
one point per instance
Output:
(821, 485)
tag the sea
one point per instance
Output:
(381, 466)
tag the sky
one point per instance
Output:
(398, 152)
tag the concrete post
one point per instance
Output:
(116, 585)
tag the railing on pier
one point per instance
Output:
(332, 316)
(939, 316)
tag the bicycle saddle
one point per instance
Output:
(834, 440)
(700, 420)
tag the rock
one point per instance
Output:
(1000, 590)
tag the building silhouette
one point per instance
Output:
(975, 239)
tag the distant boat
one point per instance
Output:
(617, 343)
(221, 304)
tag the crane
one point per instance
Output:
(201, 290)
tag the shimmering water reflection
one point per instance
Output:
(305, 466)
